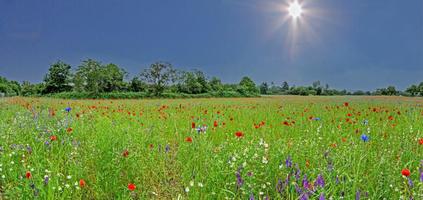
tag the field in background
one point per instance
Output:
(281, 147)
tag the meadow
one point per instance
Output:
(279, 147)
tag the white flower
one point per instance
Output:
(69, 177)
(191, 183)
(3, 176)
(67, 185)
(12, 162)
(187, 189)
(200, 185)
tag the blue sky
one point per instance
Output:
(358, 44)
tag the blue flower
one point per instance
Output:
(316, 119)
(68, 109)
(364, 137)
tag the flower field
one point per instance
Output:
(281, 147)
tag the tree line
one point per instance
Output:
(92, 78)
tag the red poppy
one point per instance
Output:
(239, 134)
(125, 153)
(421, 141)
(405, 172)
(346, 104)
(349, 114)
(193, 125)
(286, 123)
(69, 130)
(188, 139)
(215, 124)
(28, 175)
(391, 118)
(82, 183)
(131, 186)
(53, 138)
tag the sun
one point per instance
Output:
(295, 9)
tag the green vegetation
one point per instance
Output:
(92, 79)
(286, 147)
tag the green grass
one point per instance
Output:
(164, 165)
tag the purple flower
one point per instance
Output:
(322, 196)
(288, 162)
(239, 179)
(251, 196)
(46, 178)
(68, 109)
(410, 182)
(304, 196)
(357, 195)
(167, 148)
(305, 182)
(320, 181)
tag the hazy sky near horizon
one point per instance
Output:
(358, 44)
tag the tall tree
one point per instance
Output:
(88, 76)
(159, 75)
(247, 85)
(264, 88)
(58, 78)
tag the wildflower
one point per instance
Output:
(28, 175)
(46, 179)
(357, 195)
(320, 181)
(305, 182)
(421, 141)
(82, 183)
(239, 179)
(322, 196)
(288, 162)
(346, 104)
(69, 130)
(239, 134)
(131, 186)
(193, 125)
(125, 153)
(365, 122)
(410, 182)
(316, 119)
(68, 109)
(53, 138)
(188, 139)
(167, 148)
(364, 137)
(405, 172)
(215, 124)
(251, 196)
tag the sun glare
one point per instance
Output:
(295, 10)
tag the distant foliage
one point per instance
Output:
(92, 79)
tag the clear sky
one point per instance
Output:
(351, 44)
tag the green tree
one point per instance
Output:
(215, 84)
(111, 78)
(88, 76)
(159, 75)
(285, 86)
(247, 85)
(136, 85)
(391, 90)
(413, 90)
(58, 78)
(264, 88)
